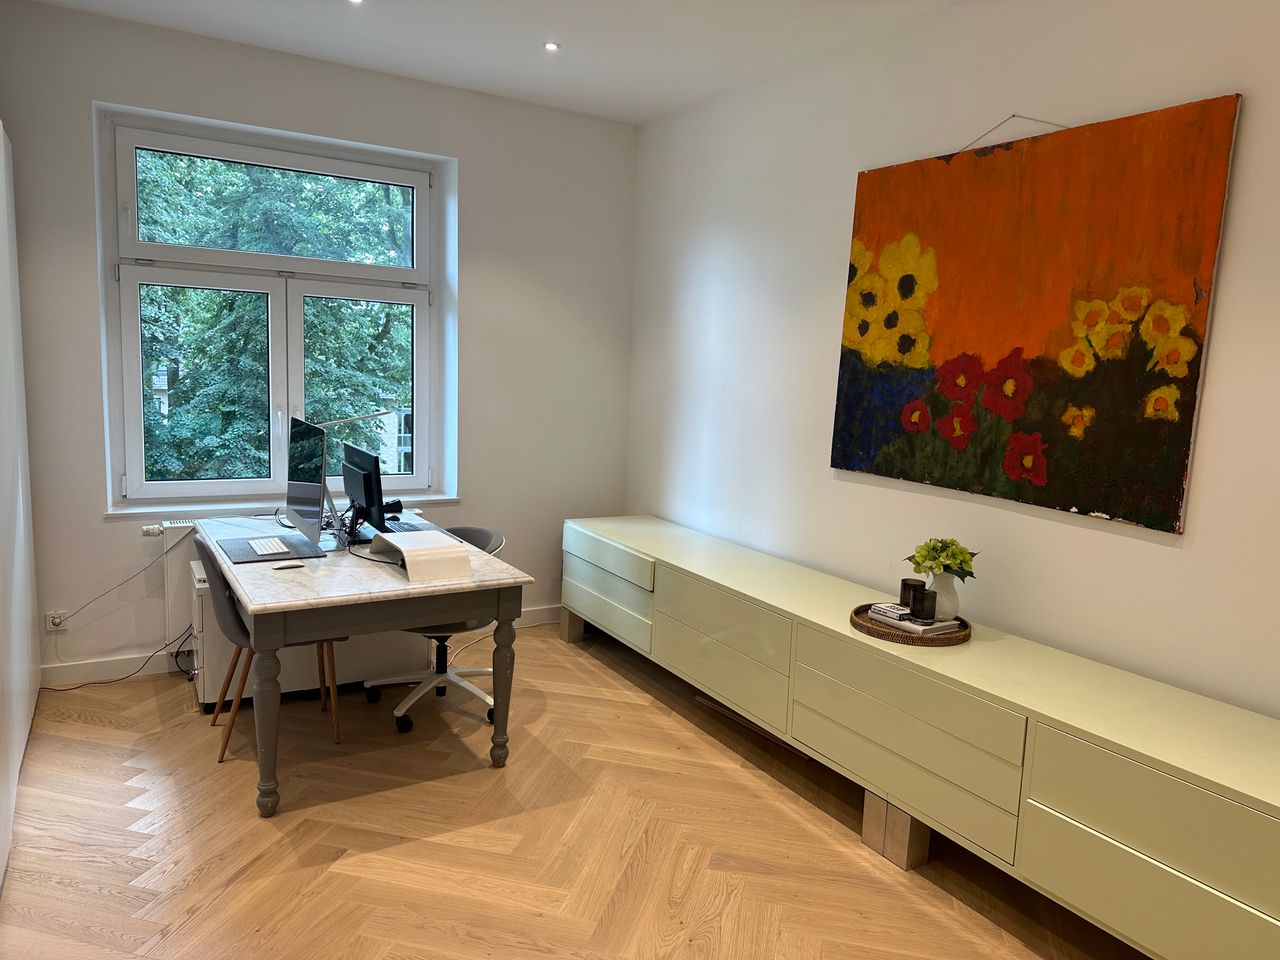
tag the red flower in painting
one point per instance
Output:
(959, 376)
(1024, 459)
(958, 426)
(1008, 386)
(915, 417)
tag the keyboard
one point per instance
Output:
(268, 546)
(405, 526)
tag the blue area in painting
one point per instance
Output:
(869, 402)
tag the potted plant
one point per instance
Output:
(945, 560)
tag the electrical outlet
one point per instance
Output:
(55, 621)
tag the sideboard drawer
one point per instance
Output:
(1000, 732)
(752, 630)
(617, 559)
(875, 766)
(1170, 914)
(1219, 842)
(610, 586)
(721, 670)
(607, 615)
(977, 771)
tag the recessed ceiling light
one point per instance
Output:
(551, 46)
(357, 1)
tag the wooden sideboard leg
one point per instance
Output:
(906, 840)
(894, 834)
(875, 812)
(571, 626)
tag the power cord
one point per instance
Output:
(94, 683)
(453, 655)
(58, 622)
(61, 621)
(190, 671)
(371, 560)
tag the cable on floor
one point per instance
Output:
(453, 655)
(95, 683)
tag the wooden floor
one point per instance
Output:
(631, 822)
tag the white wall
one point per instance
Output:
(545, 224)
(744, 211)
(19, 648)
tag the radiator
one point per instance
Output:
(179, 550)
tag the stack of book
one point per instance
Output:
(896, 615)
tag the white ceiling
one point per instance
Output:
(624, 59)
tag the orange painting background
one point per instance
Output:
(1021, 234)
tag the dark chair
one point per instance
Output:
(490, 541)
(234, 629)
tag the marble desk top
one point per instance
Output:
(337, 579)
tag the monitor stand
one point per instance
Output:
(331, 540)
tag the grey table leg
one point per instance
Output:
(504, 666)
(266, 722)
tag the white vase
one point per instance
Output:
(944, 585)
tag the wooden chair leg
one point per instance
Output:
(333, 691)
(226, 685)
(324, 690)
(235, 706)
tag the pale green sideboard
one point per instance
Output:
(1153, 811)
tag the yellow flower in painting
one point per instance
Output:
(1130, 302)
(1161, 403)
(1078, 420)
(1111, 340)
(1172, 354)
(899, 320)
(909, 348)
(1162, 321)
(1090, 315)
(897, 336)
(859, 259)
(863, 309)
(910, 273)
(1078, 359)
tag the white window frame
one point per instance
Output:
(423, 367)
(126, 262)
(129, 139)
(136, 484)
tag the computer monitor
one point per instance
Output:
(304, 497)
(362, 481)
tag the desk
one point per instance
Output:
(339, 596)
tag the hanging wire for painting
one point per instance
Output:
(1012, 116)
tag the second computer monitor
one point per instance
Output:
(362, 481)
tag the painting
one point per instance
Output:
(1028, 320)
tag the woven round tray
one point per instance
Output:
(882, 631)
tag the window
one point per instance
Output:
(257, 283)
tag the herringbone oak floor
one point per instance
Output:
(631, 824)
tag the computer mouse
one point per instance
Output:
(288, 565)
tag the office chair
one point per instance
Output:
(490, 541)
(234, 629)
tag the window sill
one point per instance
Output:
(197, 510)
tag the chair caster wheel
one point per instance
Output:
(404, 724)
(489, 716)
(441, 691)
(373, 694)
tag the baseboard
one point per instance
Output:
(532, 616)
(117, 668)
(113, 668)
